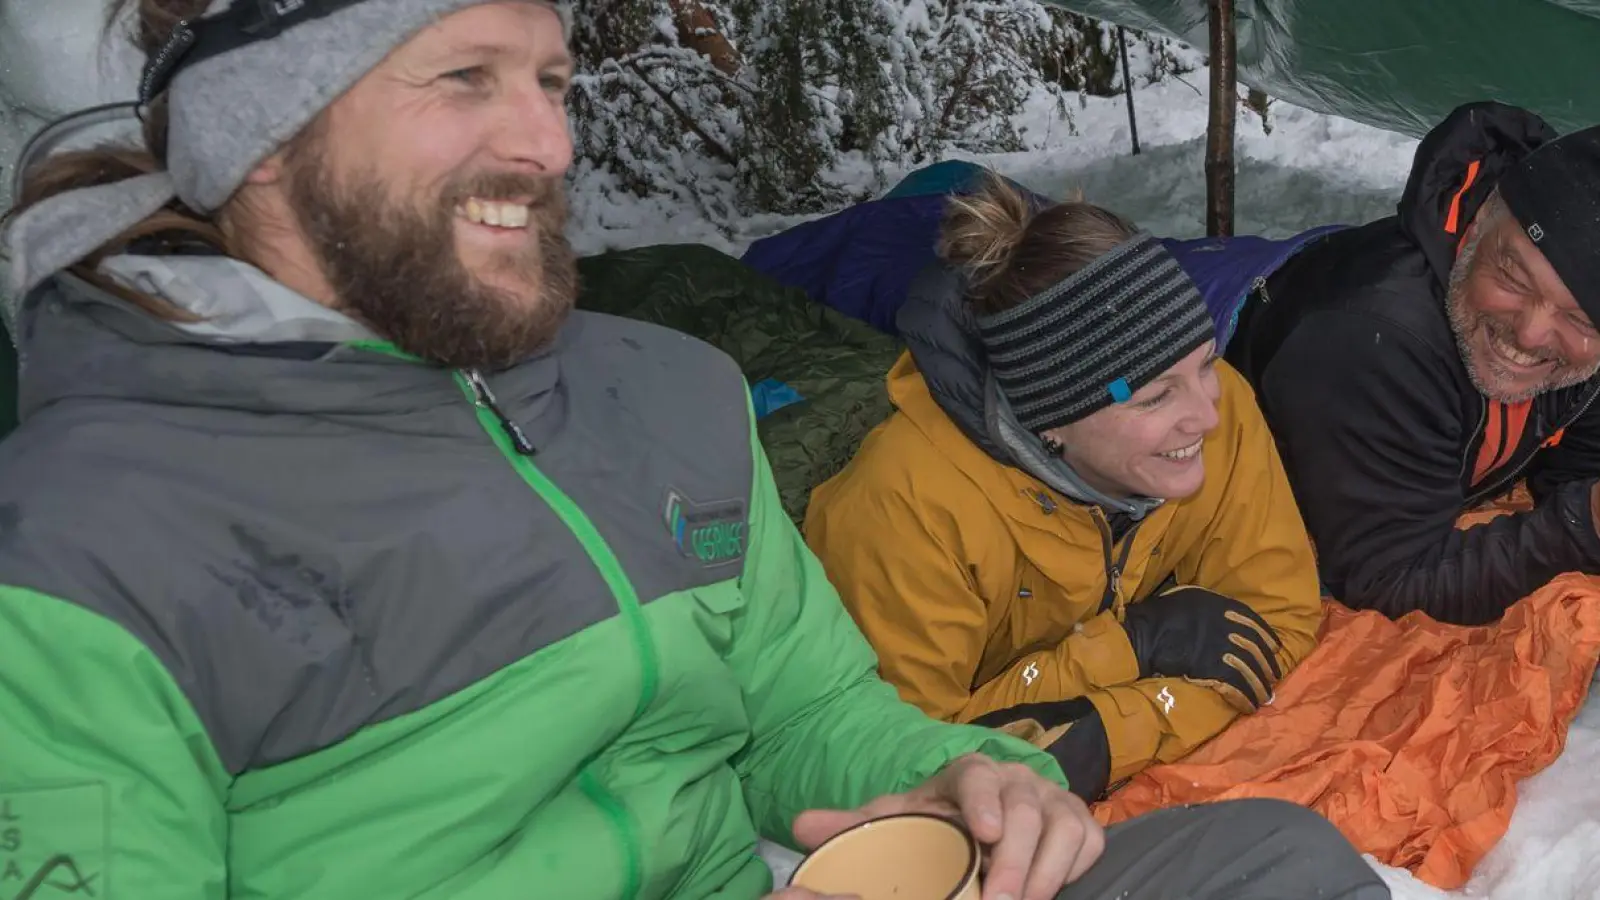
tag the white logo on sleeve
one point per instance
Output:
(1167, 701)
(1030, 674)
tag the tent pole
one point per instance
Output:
(1127, 88)
(1219, 132)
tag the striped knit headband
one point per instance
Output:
(1096, 337)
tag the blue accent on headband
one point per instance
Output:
(1119, 390)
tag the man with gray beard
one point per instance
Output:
(1427, 362)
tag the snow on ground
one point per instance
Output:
(50, 64)
(1310, 170)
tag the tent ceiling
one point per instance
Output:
(1399, 64)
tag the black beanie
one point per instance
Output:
(1554, 193)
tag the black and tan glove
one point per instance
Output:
(1190, 632)
(1069, 730)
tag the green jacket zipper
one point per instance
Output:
(514, 444)
(485, 400)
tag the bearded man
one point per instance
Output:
(340, 558)
(1422, 364)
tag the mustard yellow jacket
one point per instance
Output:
(979, 586)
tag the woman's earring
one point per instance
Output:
(1051, 445)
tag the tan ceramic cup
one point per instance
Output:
(912, 856)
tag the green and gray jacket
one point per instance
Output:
(289, 615)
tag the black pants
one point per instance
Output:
(1234, 850)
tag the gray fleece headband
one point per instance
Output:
(226, 114)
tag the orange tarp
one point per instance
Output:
(1408, 735)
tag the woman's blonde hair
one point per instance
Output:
(1011, 250)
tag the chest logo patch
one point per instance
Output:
(714, 534)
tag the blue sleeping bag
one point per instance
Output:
(861, 260)
(941, 179)
(1227, 269)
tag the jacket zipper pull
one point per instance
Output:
(1258, 285)
(485, 398)
(1044, 501)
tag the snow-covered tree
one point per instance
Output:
(649, 108)
(746, 106)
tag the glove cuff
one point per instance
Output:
(1069, 730)
(1084, 754)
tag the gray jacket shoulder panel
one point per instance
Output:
(295, 595)
(288, 569)
(653, 443)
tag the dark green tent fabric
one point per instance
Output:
(836, 363)
(1399, 64)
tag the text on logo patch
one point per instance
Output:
(713, 533)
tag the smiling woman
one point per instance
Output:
(1099, 343)
(1075, 527)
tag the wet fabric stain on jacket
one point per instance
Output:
(987, 575)
(1385, 437)
(296, 615)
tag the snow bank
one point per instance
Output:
(53, 63)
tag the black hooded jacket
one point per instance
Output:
(1384, 436)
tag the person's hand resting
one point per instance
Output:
(1036, 835)
(1190, 632)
